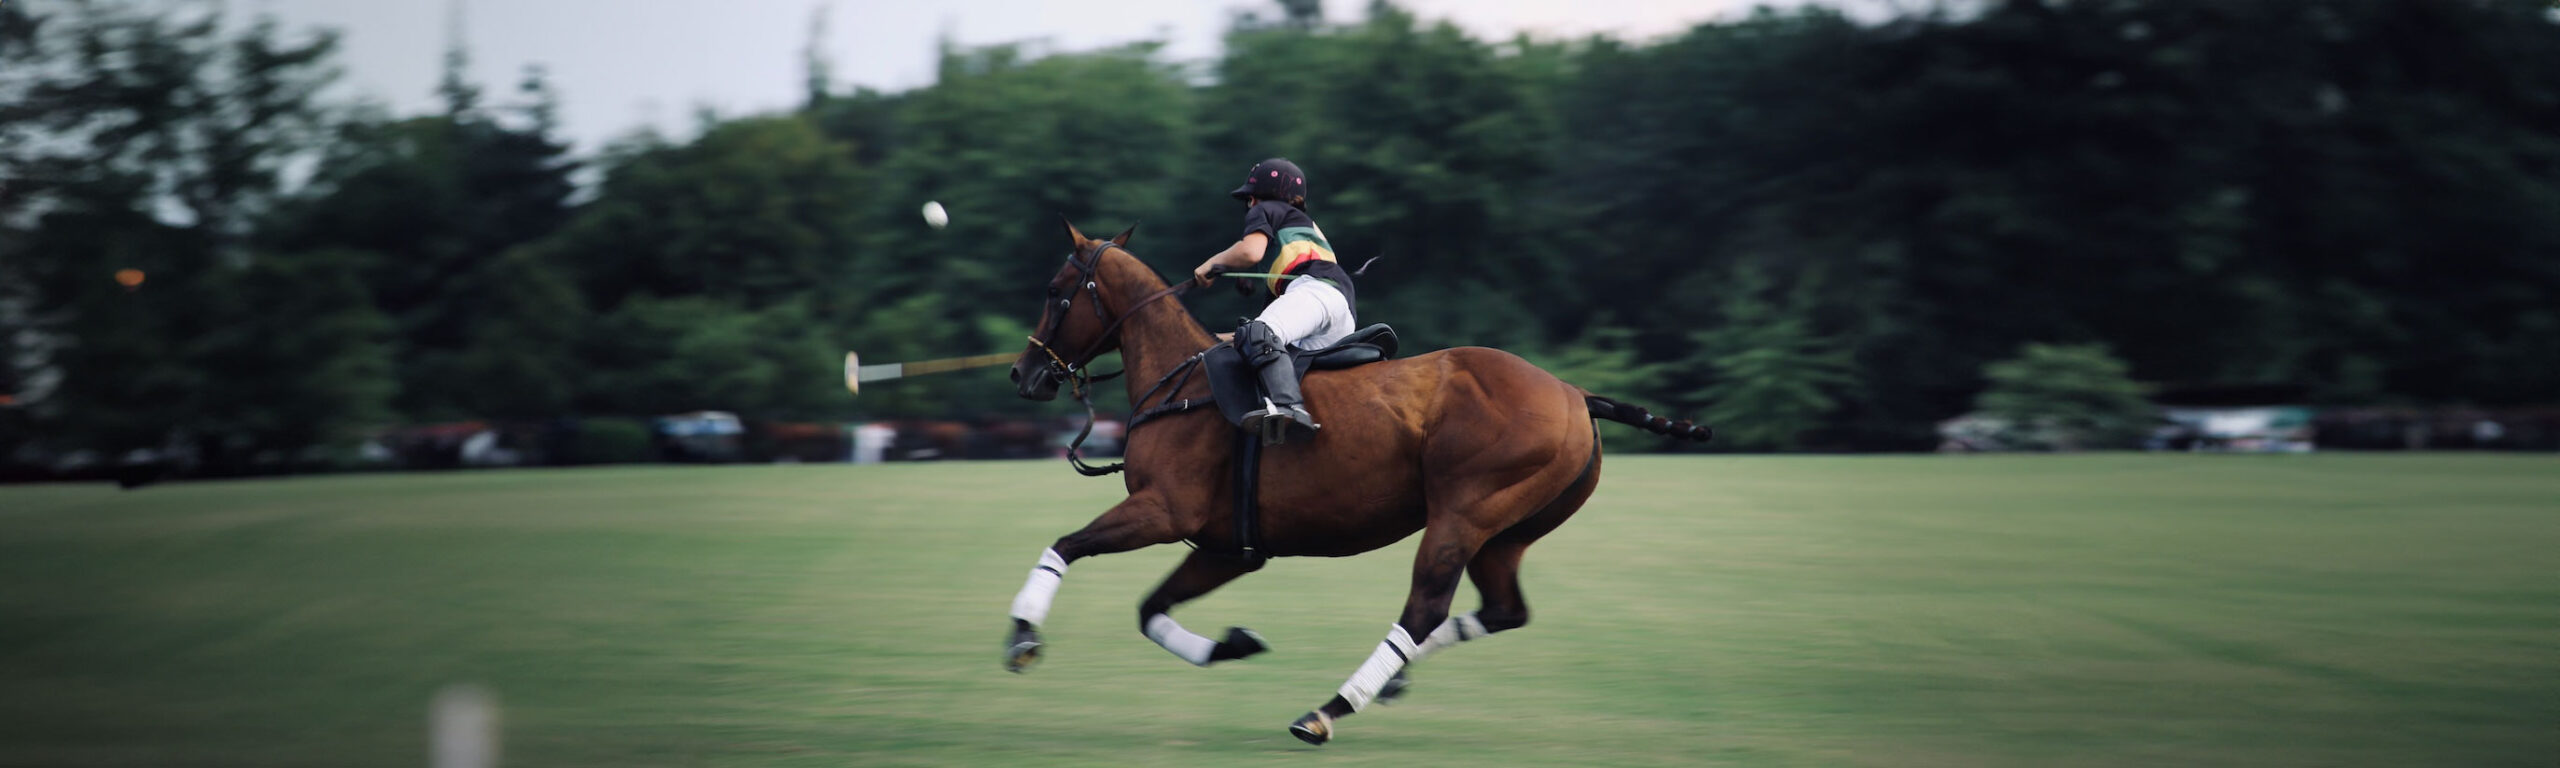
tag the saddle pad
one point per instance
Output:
(1236, 386)
(1233, 382)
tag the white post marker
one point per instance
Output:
(462, 728)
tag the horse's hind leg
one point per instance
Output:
(1496, 574)
(1465, 520)
(1496, 569)
(1446, 548)
(1197, 575)
(1133, 523)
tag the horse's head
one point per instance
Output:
(1075, 327)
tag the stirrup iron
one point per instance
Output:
(1274, 420)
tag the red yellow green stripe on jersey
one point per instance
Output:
(1299, 245)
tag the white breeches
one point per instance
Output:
(1312, 314)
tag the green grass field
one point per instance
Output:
(2089, 610)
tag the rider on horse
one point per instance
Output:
(1312, 301)
(1476, 449)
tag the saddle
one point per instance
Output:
(1236, 387)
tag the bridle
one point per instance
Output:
(1088, 272)
(1088, 266)
(1075, 375)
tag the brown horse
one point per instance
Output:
(1477, 449)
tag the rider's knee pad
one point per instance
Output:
(1259, 343)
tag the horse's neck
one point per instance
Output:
(1161, 335)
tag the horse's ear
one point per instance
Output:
(1072, 234)
(1122, 239)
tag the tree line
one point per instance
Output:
(1815, 231)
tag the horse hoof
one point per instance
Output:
(1240, 643)
(1395, 688)
(1313, 728)
(1025, 650)
(1019, 658)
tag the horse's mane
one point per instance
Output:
(1177, 300)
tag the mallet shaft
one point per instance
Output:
(956, 363)
(855, 373)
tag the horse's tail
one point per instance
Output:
(1636, 416)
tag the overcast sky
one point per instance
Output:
(619, 64)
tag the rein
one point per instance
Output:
(1079, 379)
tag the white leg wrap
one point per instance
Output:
(1457, 629)
(1032, 603)
(1170, 634)
(1391, 655)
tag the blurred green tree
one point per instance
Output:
(299, 368)
(1771, 377)
(1602, 360)
(725, 272)
(668, 355)
(2066, 397)
(753, 213)
(1009, 143)
(432, 205)
(518, 358)
(146, 145)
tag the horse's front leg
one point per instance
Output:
(1136, 522)
(1199, 574)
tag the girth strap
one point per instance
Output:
(1248, 481)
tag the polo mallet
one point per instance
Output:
(1245, 288)
(855, 373)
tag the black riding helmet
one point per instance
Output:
(1273, 179)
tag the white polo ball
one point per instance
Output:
(935, 216)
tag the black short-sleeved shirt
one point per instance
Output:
(1300, 245)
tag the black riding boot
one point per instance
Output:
(1281, 404)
